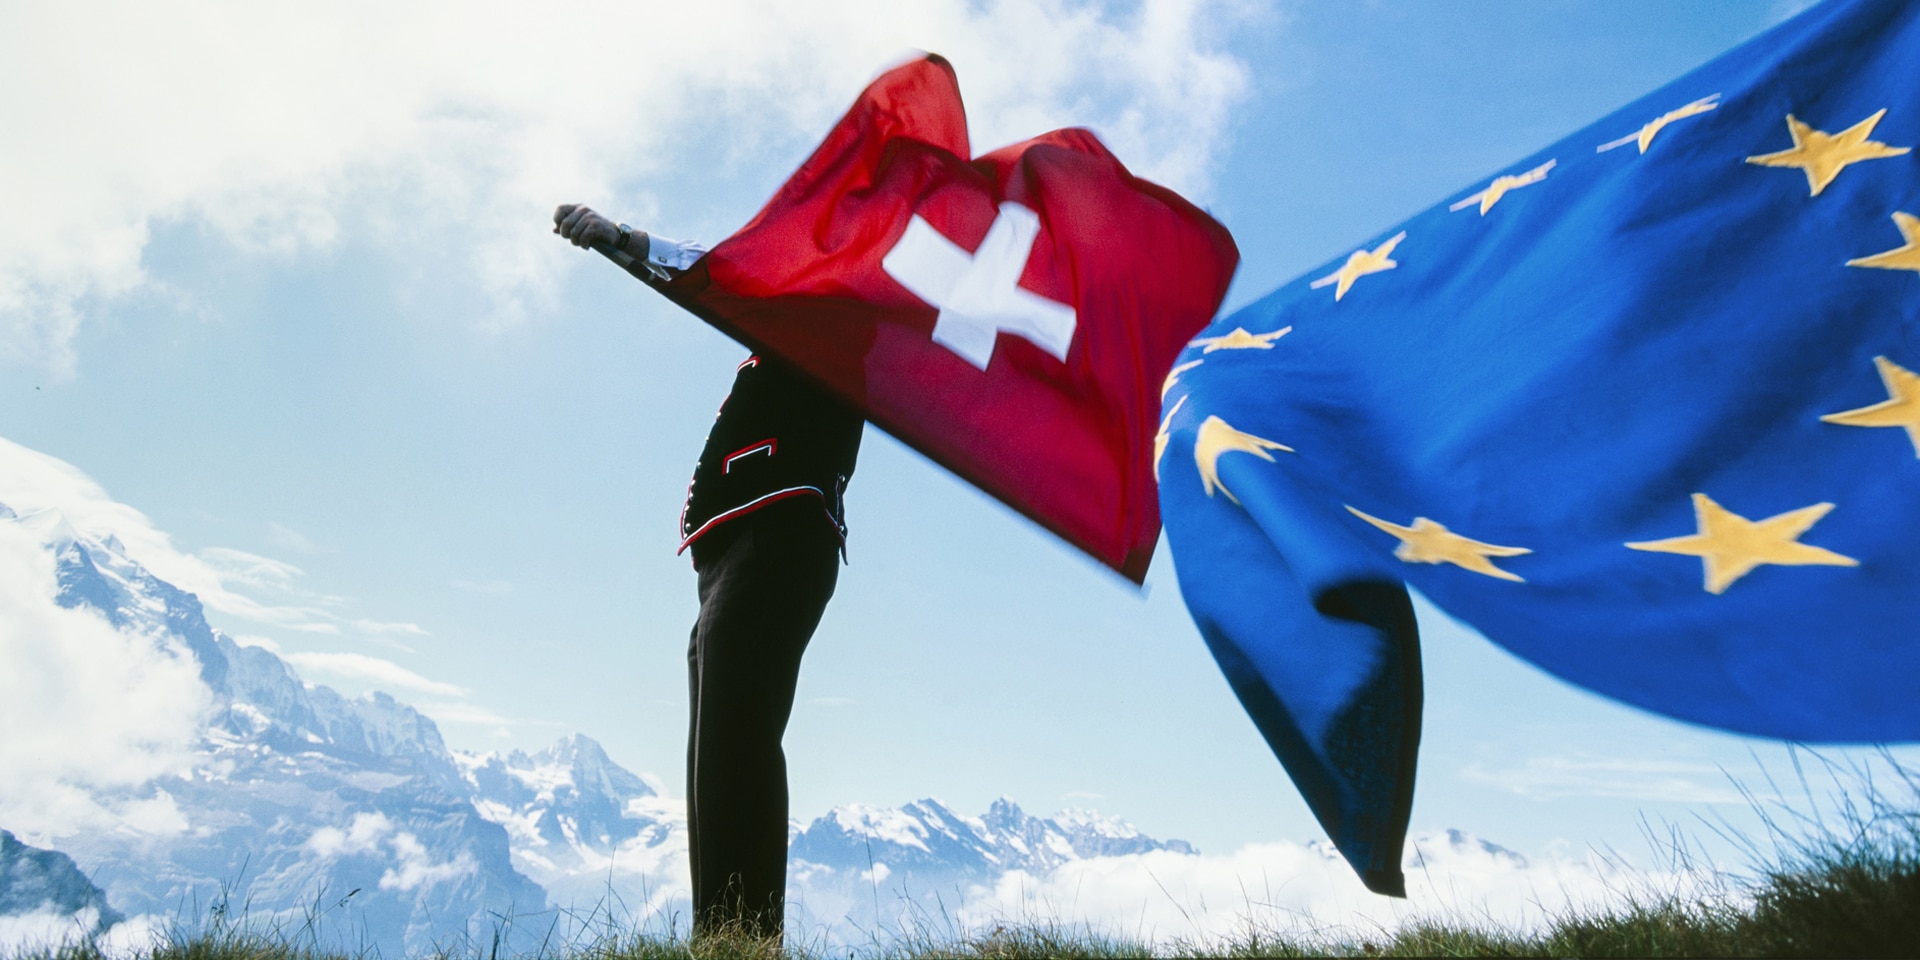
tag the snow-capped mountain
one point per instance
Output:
(299, 803)
(1456, 843)
(583, 826)
(865, 868)
(929, 835)
(351, 819)
(597, 836)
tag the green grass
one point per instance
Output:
(1847, 885)
(1861, 906)
(1843, 901)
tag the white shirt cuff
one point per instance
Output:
(672, 254)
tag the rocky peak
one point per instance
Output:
(33, 880)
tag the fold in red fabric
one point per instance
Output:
(1011, 316)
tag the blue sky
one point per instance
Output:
(281, 280)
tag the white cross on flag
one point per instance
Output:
(1011, 316)
(978, 294)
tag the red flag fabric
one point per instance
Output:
(1011, 316)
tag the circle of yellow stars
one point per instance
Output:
(1728, 545)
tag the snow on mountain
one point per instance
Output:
(305, 805)
(871, 868)
(183, 771)
(583, 826)
(599, 837)
(297, 802)
(927, 835)
(1436, 849)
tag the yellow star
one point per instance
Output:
(1644, 136)
(1821, 156)
(1240, 339)
(1173, 376)
(1216, 438)
(1359, 264)
(1160, 439)
(1903, 257)
(1430, 542)
(1900, 409)
(1500, 185)
(1730, 546)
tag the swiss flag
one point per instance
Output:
(1010, 316)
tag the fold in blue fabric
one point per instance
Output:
(1643, 408)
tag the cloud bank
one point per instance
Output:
(227, 581)
(84, 707)
(1308, 891)
(283, 128)
(382, 674)
(91, 712)
(413, 864)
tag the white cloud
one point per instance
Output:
(45, 931)
(159, 815)
(416, 867)
(136, 937)
(1547, 778)
(362, 835)
(1308, 890)
(373, 671)
(250, 569)
(84, 706)
(383, 627)
(368, 833)
(280, 126)
(31, 481)
(88, 709)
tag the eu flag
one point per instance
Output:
(1644, 408)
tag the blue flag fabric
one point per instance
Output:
(1644, 409)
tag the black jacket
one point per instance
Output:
(777, 439)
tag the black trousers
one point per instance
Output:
(763, 586)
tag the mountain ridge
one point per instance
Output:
(354, 815)
(39, 881)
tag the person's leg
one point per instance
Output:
(693, 743)
(760, 601)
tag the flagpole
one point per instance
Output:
(620, 257)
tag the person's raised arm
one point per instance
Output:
(579, 225)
